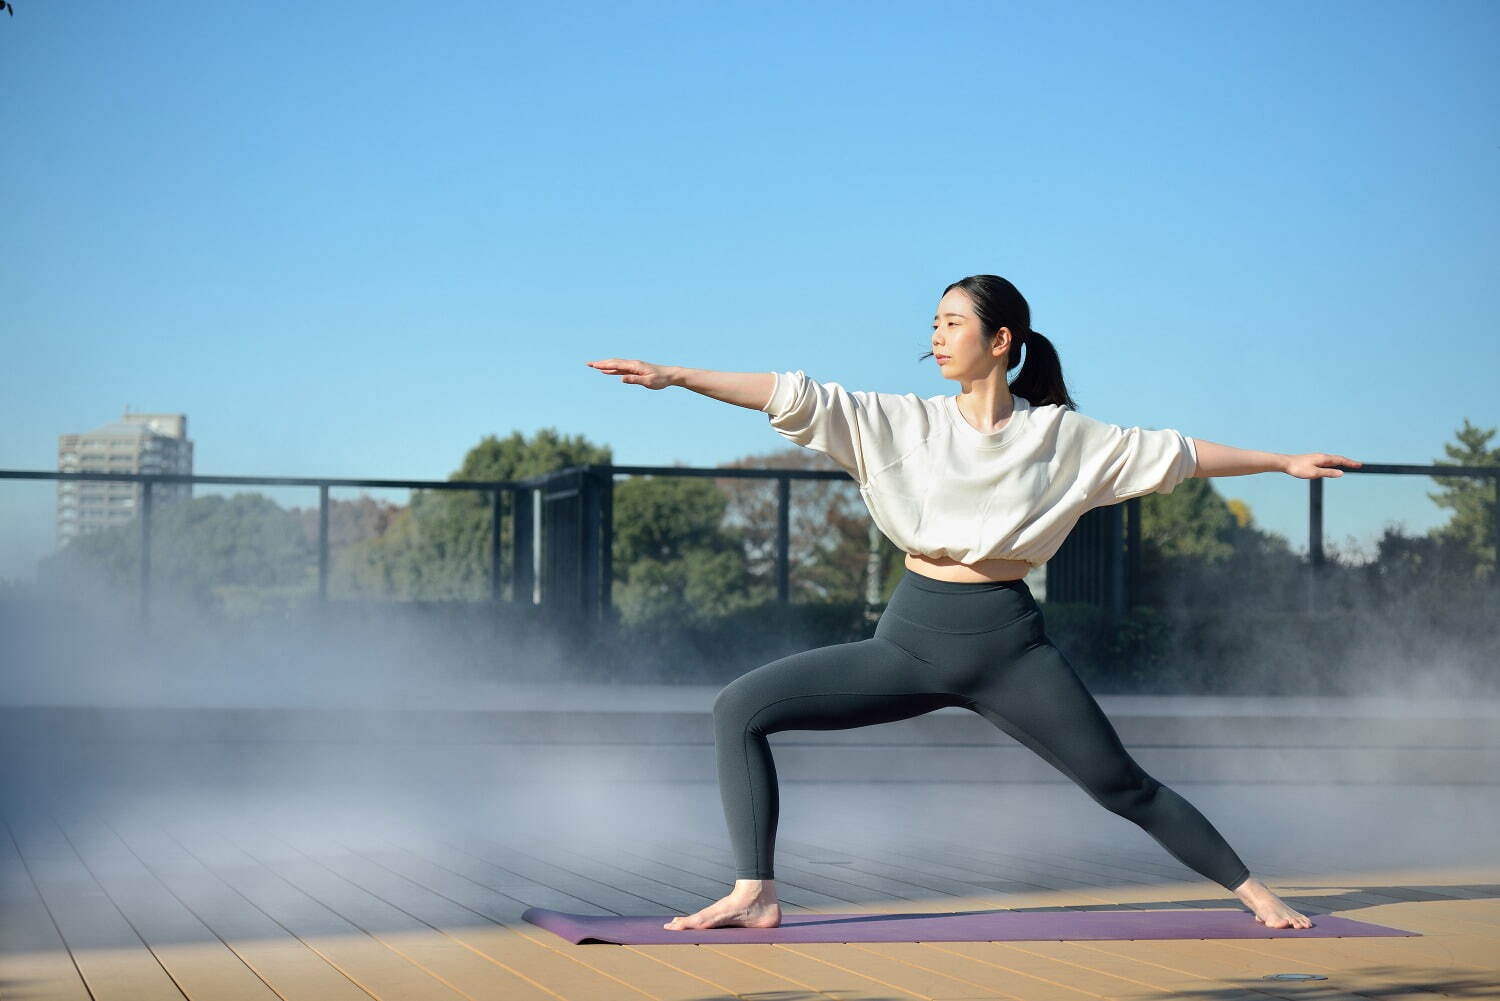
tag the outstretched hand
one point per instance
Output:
(1317, 465)
(640, 373)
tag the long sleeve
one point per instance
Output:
(827, 418)
(1120, 463)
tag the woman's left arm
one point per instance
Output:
(1225, 460)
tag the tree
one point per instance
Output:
(203, 549)
(674, 560)
(349, 521)
(438, 547)
(1193, 521)
(828, 545)
(1471, 498)
(1198, 549)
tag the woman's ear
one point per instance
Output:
(1002, 337)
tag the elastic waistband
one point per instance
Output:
(925, 583)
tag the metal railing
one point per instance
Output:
(549, 488)
(592, 519)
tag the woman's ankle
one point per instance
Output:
(755, 888)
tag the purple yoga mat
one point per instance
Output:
(951, 926)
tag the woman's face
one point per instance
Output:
(962, 350)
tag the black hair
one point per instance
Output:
(998, 304)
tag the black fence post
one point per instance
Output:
(1495, 533)
(323, 545)
(495, 544)
(145, 555)
(590, 544)
(1115, 546)
(783, 537)
(522, 553)
(1314, 540)
(606, 485)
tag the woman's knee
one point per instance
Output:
(730, 700)
(795, 674)
(1130, 797)
(738, 702)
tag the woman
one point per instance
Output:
(977, 488)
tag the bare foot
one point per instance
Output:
(1270, 910)
(736, 910)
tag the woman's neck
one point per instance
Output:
(986, 409)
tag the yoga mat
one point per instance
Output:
(951, 926)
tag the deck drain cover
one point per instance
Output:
(1293, 976)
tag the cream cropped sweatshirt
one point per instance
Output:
(937, 486)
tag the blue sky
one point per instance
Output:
(353, 239)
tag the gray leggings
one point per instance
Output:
(939, 643)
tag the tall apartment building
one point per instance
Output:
(136, 443)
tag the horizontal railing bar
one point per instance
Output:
(715, 473)
(314, 481)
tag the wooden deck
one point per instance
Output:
(134, 901)
(228, 854)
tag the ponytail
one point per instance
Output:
(1040, 380)
(998, 304)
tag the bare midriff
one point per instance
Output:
(943, 568)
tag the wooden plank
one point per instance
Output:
(692, 859)
(917, 970)
(939, 891)
(1153, 963)
(462, 878)
(719, 889)
(1043, 979)
(512, 892)
(629, 965)
(1047, 876)
(1052, 968)
(915, 955)
(467, 948)
(35, 962)
(677, 973)
(1047, 882)
(295, 971)
(1133, 897)
(1021, 959)
(655, 895)
(732, 971)
(917, 872)
(811, 975)
(620, 902)
(1159, 862)
(1144, 865)
(1016, 889)
(478, 855)
(697, 884)
(365, 960)
(1432, 952)
(112, 958)
(201, 963)
(846, 887)
(1095, 879)
(1225, 961)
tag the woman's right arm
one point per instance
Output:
(751, 390)
(743, 389)
(822, 416)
